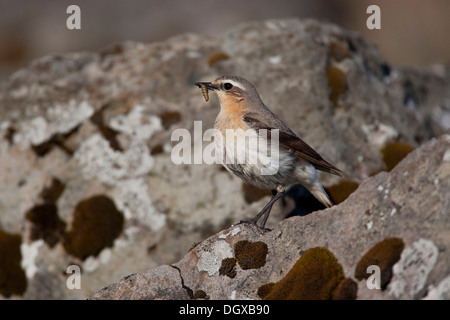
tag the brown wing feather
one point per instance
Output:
(296, 145)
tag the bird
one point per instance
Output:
(242, 110)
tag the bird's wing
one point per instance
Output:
(294, 144)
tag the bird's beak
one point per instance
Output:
(208, 85)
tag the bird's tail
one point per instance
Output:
(319, 193)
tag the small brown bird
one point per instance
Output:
(242, 108)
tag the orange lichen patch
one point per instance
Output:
(250, 255)
(384, 255)
(252, 194)
(342, 190)
(338, 51)
(45, 224)
(169, 117)
(228, 267)
(12, 276)
(346, 290)
(337, 83)
(96, 224)
(394, 152)
(216, 57)
(313, 277)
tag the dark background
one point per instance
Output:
(413, 32)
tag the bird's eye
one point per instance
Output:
(227, 86)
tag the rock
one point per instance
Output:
(163, 282)
(100, 125)
(382, 207)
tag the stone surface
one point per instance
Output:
(343, 229)
(163, 282)
(100, 123)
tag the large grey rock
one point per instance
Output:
(163, 282)
(384, 206)
(101, 122)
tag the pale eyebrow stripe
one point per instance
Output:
(234, 83)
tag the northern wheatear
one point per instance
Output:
(242, 108)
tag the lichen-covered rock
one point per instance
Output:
(314, 276)
(100, 125)
(315, 256)
(383, 255)
(163, 282)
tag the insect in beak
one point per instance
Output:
(205, 86)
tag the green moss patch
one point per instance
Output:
(216, 57)
(96, 224)
(228, 267)
(347, 289)
(158, 149)
(394, 152)
(342, 190)
(384, 255)
(169, 118)
(12, 276)
(54, 191)
(200, 294)
(250, 255)
(313, 277)
(45, 223)
(337, 83)
(265, 289)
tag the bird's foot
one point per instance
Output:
(255, 223)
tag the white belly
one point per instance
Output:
(253, 158)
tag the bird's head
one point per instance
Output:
(233, 91)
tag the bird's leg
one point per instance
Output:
(264, 213)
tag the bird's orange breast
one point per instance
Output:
(230, 115)
(230, 120)
(230, 104)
